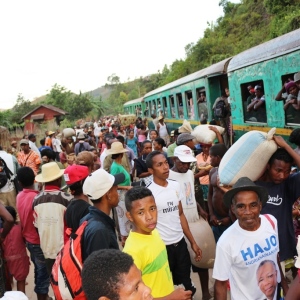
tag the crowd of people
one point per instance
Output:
(140, 190)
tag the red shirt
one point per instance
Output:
(24, 208)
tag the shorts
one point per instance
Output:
(19, 268)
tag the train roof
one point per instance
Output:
(134, 101)
(281, 45)
(213, 70)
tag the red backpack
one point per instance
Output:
(66, 272)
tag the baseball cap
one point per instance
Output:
(75, 173)
(100, 182)
(184, 153)
(24, 141)
(184, 137)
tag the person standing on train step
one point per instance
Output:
(283, 189)
(163, 130)
(171, 223)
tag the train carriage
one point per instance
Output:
(268, 65)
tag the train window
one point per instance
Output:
(202, 104)
(189, 105)
(179, 105)
(165, 105)
(146, 111)
(153, 107)
(292, 116)
(172, 102)
(254, 105)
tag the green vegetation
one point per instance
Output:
(243, 26)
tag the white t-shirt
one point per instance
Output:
(168, 220)
(239, 254)
(189, 204)
(102, 158)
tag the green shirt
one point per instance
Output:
(116, 169)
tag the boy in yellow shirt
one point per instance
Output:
(146, 247)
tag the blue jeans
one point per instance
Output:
(41, 277)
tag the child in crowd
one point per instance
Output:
(146, 247)
(14, 251)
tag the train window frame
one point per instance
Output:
(165, 105)
(202, 107)
(251, 116)
(289, 111)
(173, 112)
(189, 105)
(180, 108)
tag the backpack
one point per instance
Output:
(5, 173)
(66, 272)
(220, 109)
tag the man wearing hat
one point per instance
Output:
(49, 209)
(251, 239)
(81, 145)
(28, 158)
(102, 189)
(48, 141)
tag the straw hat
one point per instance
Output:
(116, 148)
(50, 172)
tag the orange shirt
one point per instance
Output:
(48, 141)
(204, 179)
(31, 160)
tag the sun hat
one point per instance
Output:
(184, 137)
(81, 136)
(75, 173)
(50, 132)
(50, 172)
(116, 148)
(289, 85)
(160, 118)
(297, 77)
(24, 141)
(245, 184)
(100, 182)
(184, 153)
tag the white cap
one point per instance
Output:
(184, 153)
(14, 295)
(100, 182)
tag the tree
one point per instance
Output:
(21, 108)
(59, 96)
(79, 106)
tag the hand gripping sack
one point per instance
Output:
(204, 238)
(66, 272)
(247, 157)
(204, 135)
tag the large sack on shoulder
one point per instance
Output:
(204, 238)
(68, 132)
(126, 120)
(186, 127)
(204, 135)
(248, 157)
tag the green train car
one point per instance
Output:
(192, 97)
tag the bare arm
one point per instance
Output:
(218, 134)
(188, 234)
(220, 289)
(279, 95)
(8, 221)
(178, 294)
(213, 219)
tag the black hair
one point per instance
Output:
(160, 141)
(76, 187)
(12, 211)
(25, 176)
(42, 142)
(213, 122)
(150, 156)
(218, 150)
(281, 154)
(155, 131)
(115, 156)
(144, 143)
(121, 139)
(142, 127)
(49, 153)
(102, 273)
(295, 137)
(136, 193)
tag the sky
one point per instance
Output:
(79, 44)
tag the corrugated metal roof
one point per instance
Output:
(134, 101)
(60, 111)
(213, 70)
(281, 45)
